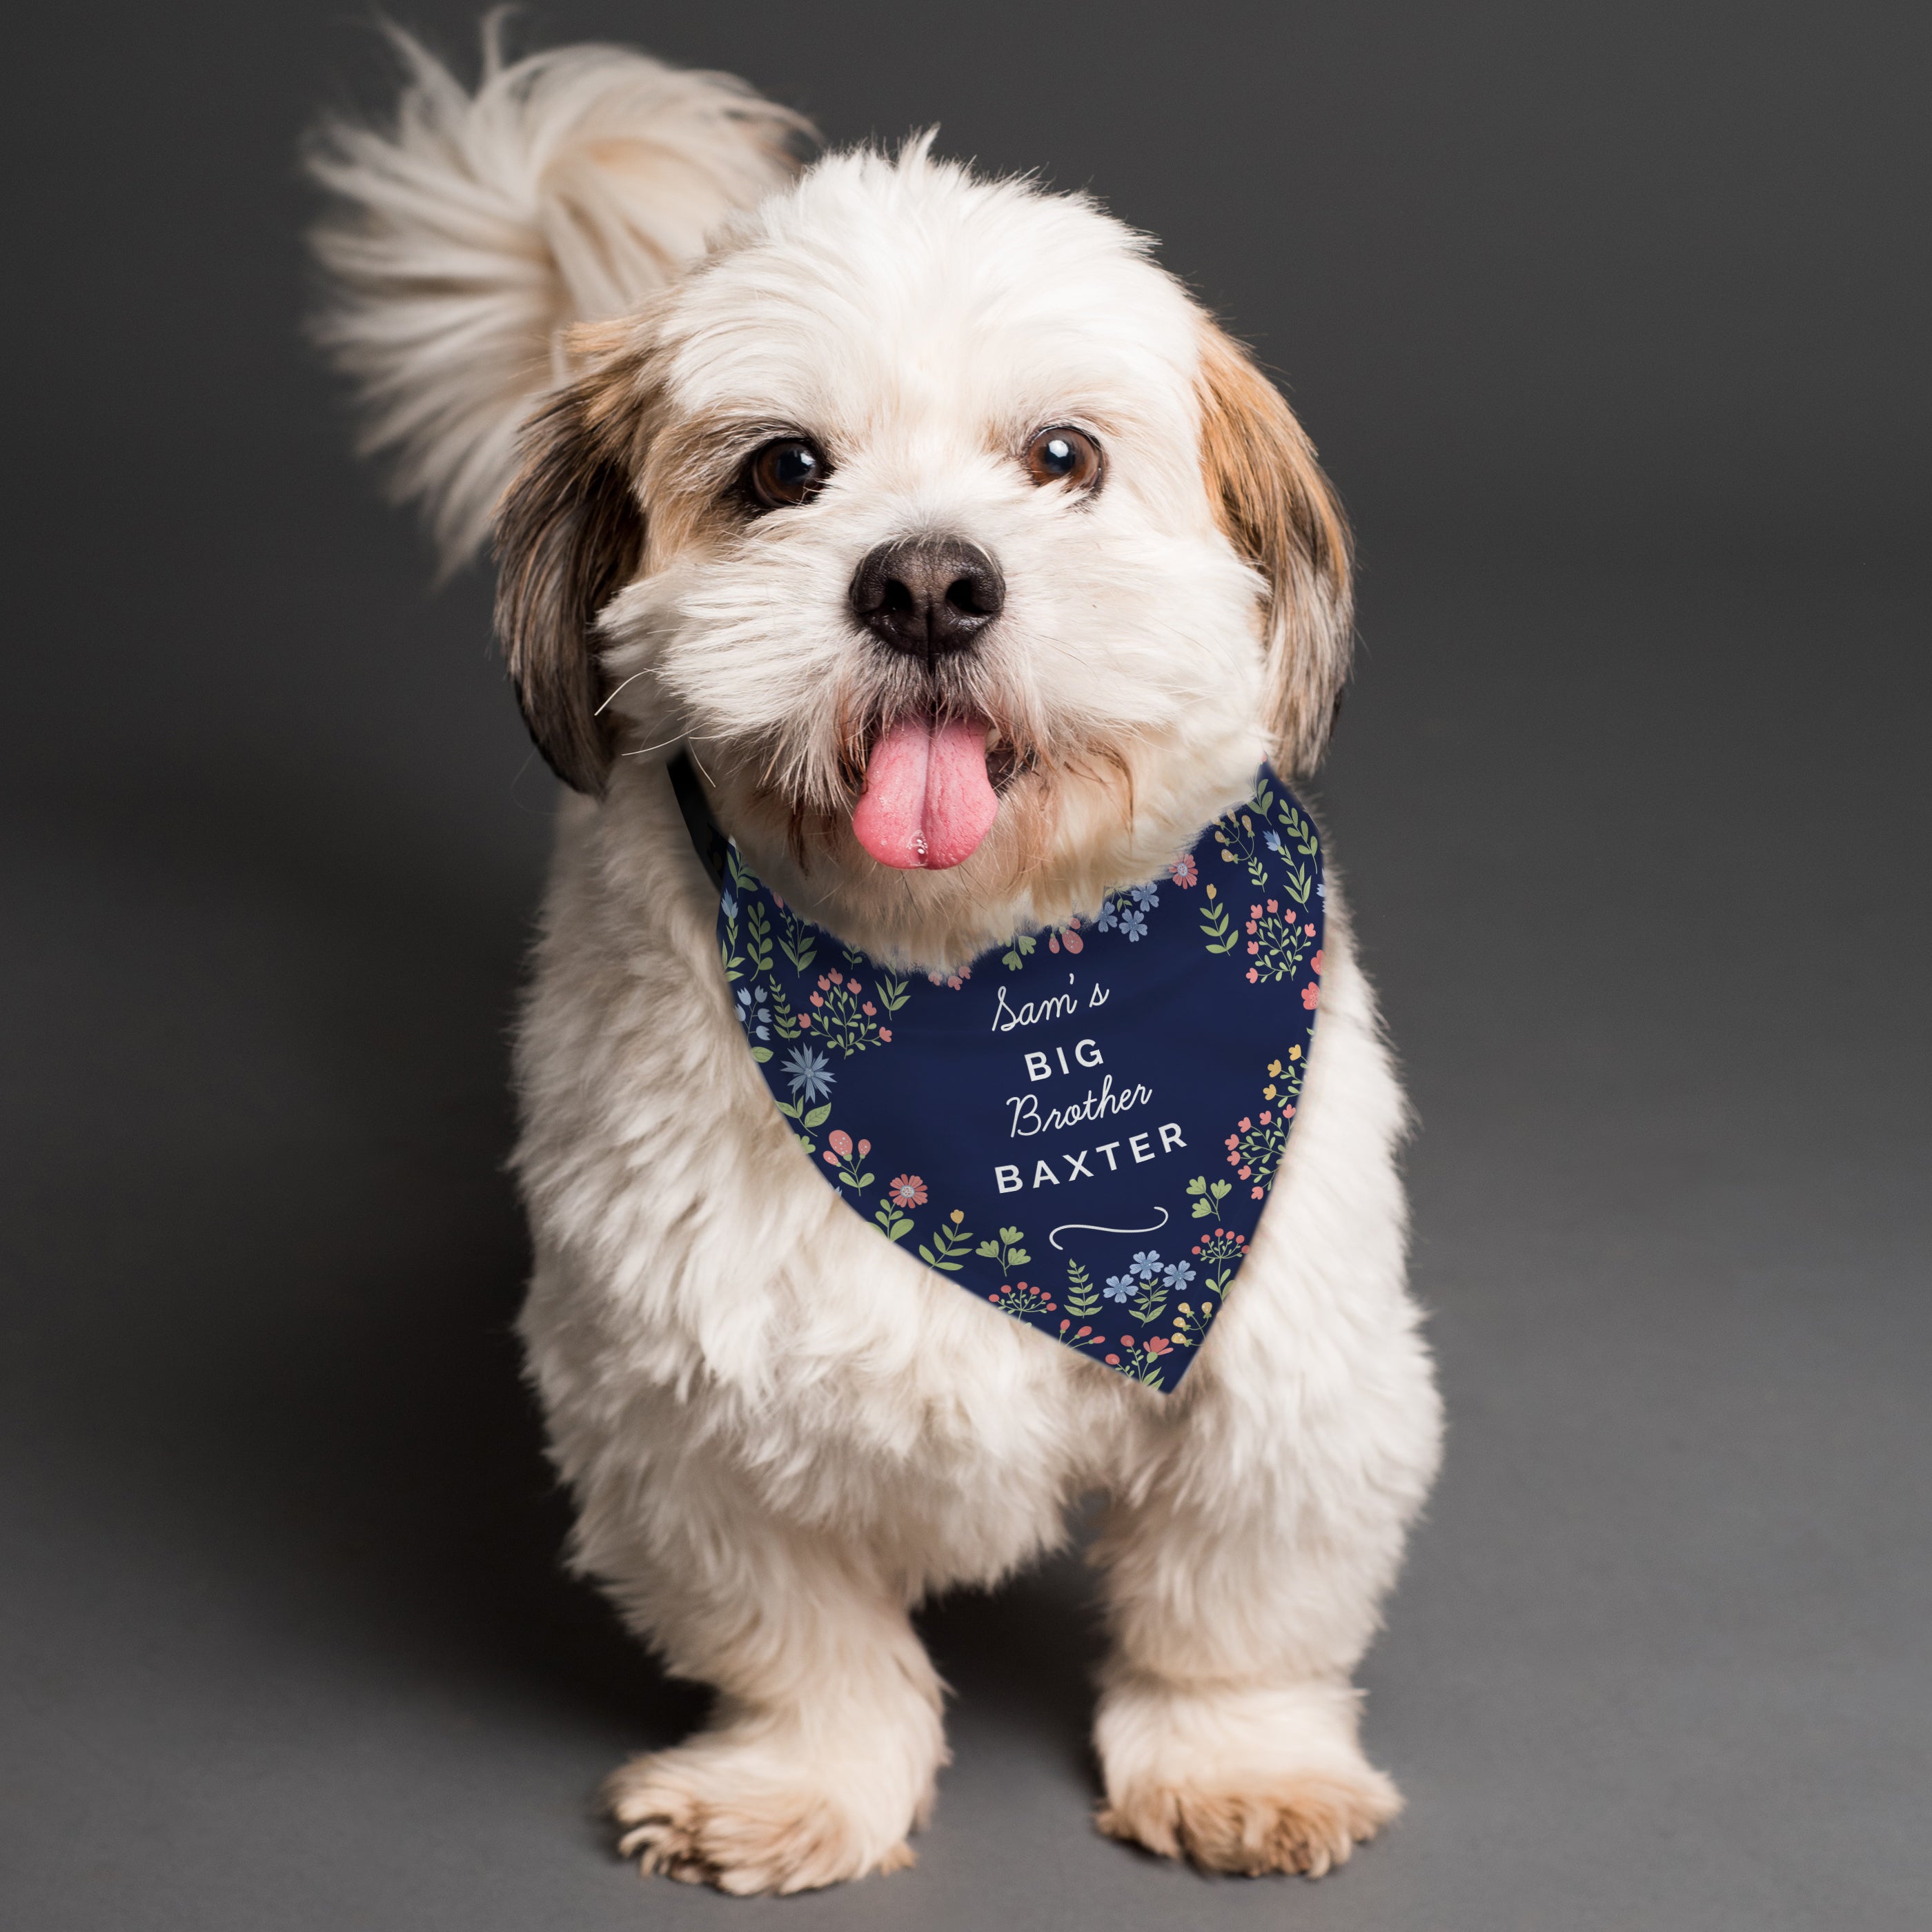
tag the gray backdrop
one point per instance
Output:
(1611, 321)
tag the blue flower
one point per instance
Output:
(1177, 1274)
(1119, 1287)
(756, 1020)
(1110, 916)
(1273, 838)
(730, 904)
(1134, 924)
(1322, 890)
(1146, 897)
(1147, 1263)
(807, 1071)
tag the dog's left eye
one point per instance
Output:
(1064, 455)
(789, 471)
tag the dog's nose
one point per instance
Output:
(928, 596)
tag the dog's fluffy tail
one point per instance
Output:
(466, 237)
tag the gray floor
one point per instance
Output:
(1640, 864)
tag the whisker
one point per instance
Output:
(606, 705)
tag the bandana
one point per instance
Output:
(1081, 1129)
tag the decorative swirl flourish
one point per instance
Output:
(1094, 1227)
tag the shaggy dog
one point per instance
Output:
(700, 387)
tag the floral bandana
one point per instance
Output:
(1083, 1129)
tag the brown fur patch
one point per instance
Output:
(1280, 513)
(569, 535)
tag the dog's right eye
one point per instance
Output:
(789, 471)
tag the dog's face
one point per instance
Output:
(976, 566)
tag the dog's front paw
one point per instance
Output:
(1240, 1779)
(740, 1817)
(1305, 1822)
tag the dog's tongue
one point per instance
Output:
(927, 802)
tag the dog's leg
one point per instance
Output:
(1227, 1726)
(821, 1755)
(1258, 1527)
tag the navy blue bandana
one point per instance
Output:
(1082, 1128)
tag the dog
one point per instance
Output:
(698, 385)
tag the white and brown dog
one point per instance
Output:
(701, 389)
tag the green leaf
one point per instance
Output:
(761, 1054)
(819, 1116)
(1198, 1185)
(990, 1249)
(1010, 1234)
(1018, 1258)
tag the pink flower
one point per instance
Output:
(1246, 1173)
(1254, 912)
(1233, 1140)
(1183, 871)
(1085, 1328)
(865, 1148)
(1310, 930)
(1244, 1123)
(1053, 946)
(1264, 1117)
(1274, 905)
(1075, 943)
(886, 1034)
(1254, 978)
(908, 1190)
(868, 1010)
(1315, 964)
(1257, 1193)
(804, 1022)
(830, 1158)
(818, 999)
(1158, 1344)
(1310, 994)
(838, 978)
(1253, 946)
(1126, 1341)
(823, 982)
(1112, 1361)
(841, 1141)
(1251, 927)
(778, 902)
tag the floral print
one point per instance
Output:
(805, 1073)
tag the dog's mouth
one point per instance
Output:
(928, 800)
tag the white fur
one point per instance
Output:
(570, 186)
(780, 1431)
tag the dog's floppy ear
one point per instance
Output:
(569, 534)
(1280, 513)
